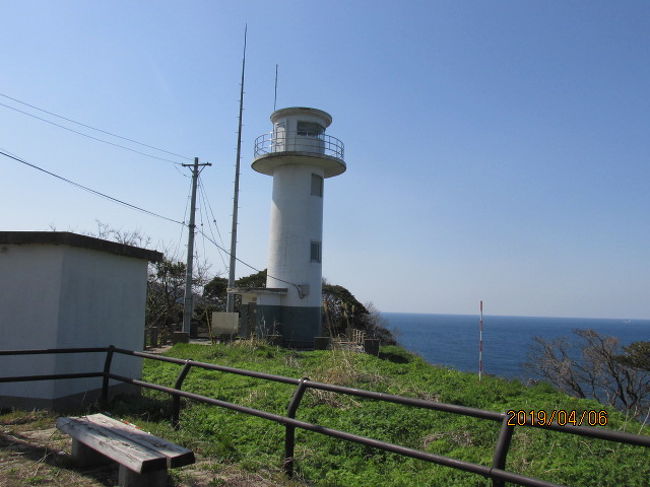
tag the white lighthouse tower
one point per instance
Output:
(299, 156)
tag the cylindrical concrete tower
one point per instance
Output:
(299, 156)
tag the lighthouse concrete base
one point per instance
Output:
(297, 325)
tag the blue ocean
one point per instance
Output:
(452, 340)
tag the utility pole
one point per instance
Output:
(230, 298)
(188, 302)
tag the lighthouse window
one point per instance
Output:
(309, 128)
(315, 251)
(316, 185)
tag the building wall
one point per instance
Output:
(30, 287)
(102, 303)
(298, 325)
(296, 221)
(58, 296)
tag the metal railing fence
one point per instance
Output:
(496, 472)
(283, 141)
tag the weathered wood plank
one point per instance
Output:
(108, 442)
(177, 456)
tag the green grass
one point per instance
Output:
(257, 444)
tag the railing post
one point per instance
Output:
(176, 400)
(501, 450)
(290, 431)
(107, 370)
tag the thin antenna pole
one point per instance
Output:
(275, 96)
(480, 343)
(230, 300)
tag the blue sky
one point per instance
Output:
(496, 150)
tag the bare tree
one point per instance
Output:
(133, 238)
(378, 327)
(591, 368)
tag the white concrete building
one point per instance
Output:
(63, 290)
(299, 156)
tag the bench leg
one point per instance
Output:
(129, 478)
(85, 456)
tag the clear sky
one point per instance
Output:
(496, 150)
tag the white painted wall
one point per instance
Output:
(57, 296)
(30, 283)
(285, 123)
(296, 220)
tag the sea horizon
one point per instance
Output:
(486, 315)
(452, 340)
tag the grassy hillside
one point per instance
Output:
(321, 461)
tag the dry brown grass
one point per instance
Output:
(338, 368)
(251, 343)
(33, 452)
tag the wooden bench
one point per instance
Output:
(143, 457)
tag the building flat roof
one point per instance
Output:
(284, 112)
(76, 240)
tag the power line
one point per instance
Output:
(220, 247)
(134, 207)
(214, 219)
(180, 238)
(247, 264)
(201, 220)
(204, 199)
(94, 128)
(86, 135)
(213, 222)
(86, 188)
(175, 166)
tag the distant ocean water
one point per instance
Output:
(452, 340)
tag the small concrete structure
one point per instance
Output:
(250, 321)
(299, 156)
(224, 323)
(63, 290)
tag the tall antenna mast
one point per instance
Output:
(480, 342)
(275, 96)
(230, 300)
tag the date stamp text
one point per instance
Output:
(588, 417)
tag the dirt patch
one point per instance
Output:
(34, 453)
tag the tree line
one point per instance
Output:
(166, 291)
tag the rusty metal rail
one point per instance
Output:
(496, 472)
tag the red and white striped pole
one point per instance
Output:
(480, 343)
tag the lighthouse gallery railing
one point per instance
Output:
(284, 141)
(496, 472)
